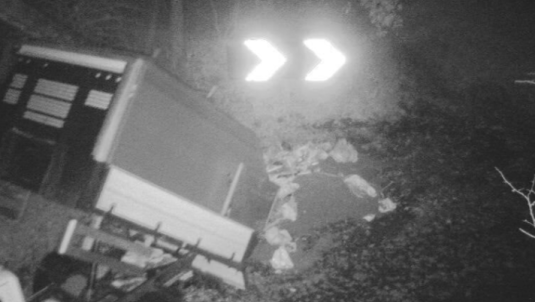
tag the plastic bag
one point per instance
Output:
(281, 260)
(276, 236)
(358, 186)
(386, 205)
(287, 189)
(344, 152)
(289, 210)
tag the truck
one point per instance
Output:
(117, 135)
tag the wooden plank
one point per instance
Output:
(114, 264)
(75, 229)
(116, 241)
(230, 194)
(148, 205)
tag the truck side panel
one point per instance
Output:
(148, 205)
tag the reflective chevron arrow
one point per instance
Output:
(271, 60)
(331, 60)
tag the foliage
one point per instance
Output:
(384, 14)
(150, 28)
(112, 24)
(288, 109)
(196, 51)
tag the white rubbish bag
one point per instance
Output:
(276, 236)
(343, 152)
(386, 205)
(359, 186)
(281, 260)
(289, 210)
(286, 189)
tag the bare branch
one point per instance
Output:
(527, 197)
(528, 234)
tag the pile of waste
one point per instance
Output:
(283, 166)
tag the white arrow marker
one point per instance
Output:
(271, 60)
(331, 60)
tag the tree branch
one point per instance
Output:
(528, 234)
(527, 197)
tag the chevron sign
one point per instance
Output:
(269, 61)
(331, 60)
(270, 58)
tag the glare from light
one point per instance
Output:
(271, 60)
(331, 60)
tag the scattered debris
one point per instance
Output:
(359, 186)
(284, 208)
(283, 165)
(128, 284)
(281, 258)
(386, 205)
(156, 259)
(344, 152)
